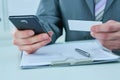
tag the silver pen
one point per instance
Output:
(82, 52)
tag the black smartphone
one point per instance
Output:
(28, 22)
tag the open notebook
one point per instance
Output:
(65, 54)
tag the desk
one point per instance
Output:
(10, 70)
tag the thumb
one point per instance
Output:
(50, 33)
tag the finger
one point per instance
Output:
(112, 45)
(32, 40)
(110, 26)
(106, 36)
(32, 48)
(50, 33)
(23, 33)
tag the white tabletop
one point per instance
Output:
(10, 70)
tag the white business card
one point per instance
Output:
(80, 25)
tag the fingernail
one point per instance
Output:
(50, 33)
(31, 33)
(92, 34)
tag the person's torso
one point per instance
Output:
(84, 10)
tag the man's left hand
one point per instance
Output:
(108, 34)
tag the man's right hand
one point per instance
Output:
(27, 41)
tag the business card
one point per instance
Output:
(80, 25)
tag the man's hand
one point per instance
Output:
(108, 34)
(27, 41)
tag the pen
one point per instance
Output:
(82, 52)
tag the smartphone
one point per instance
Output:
(28, 22)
